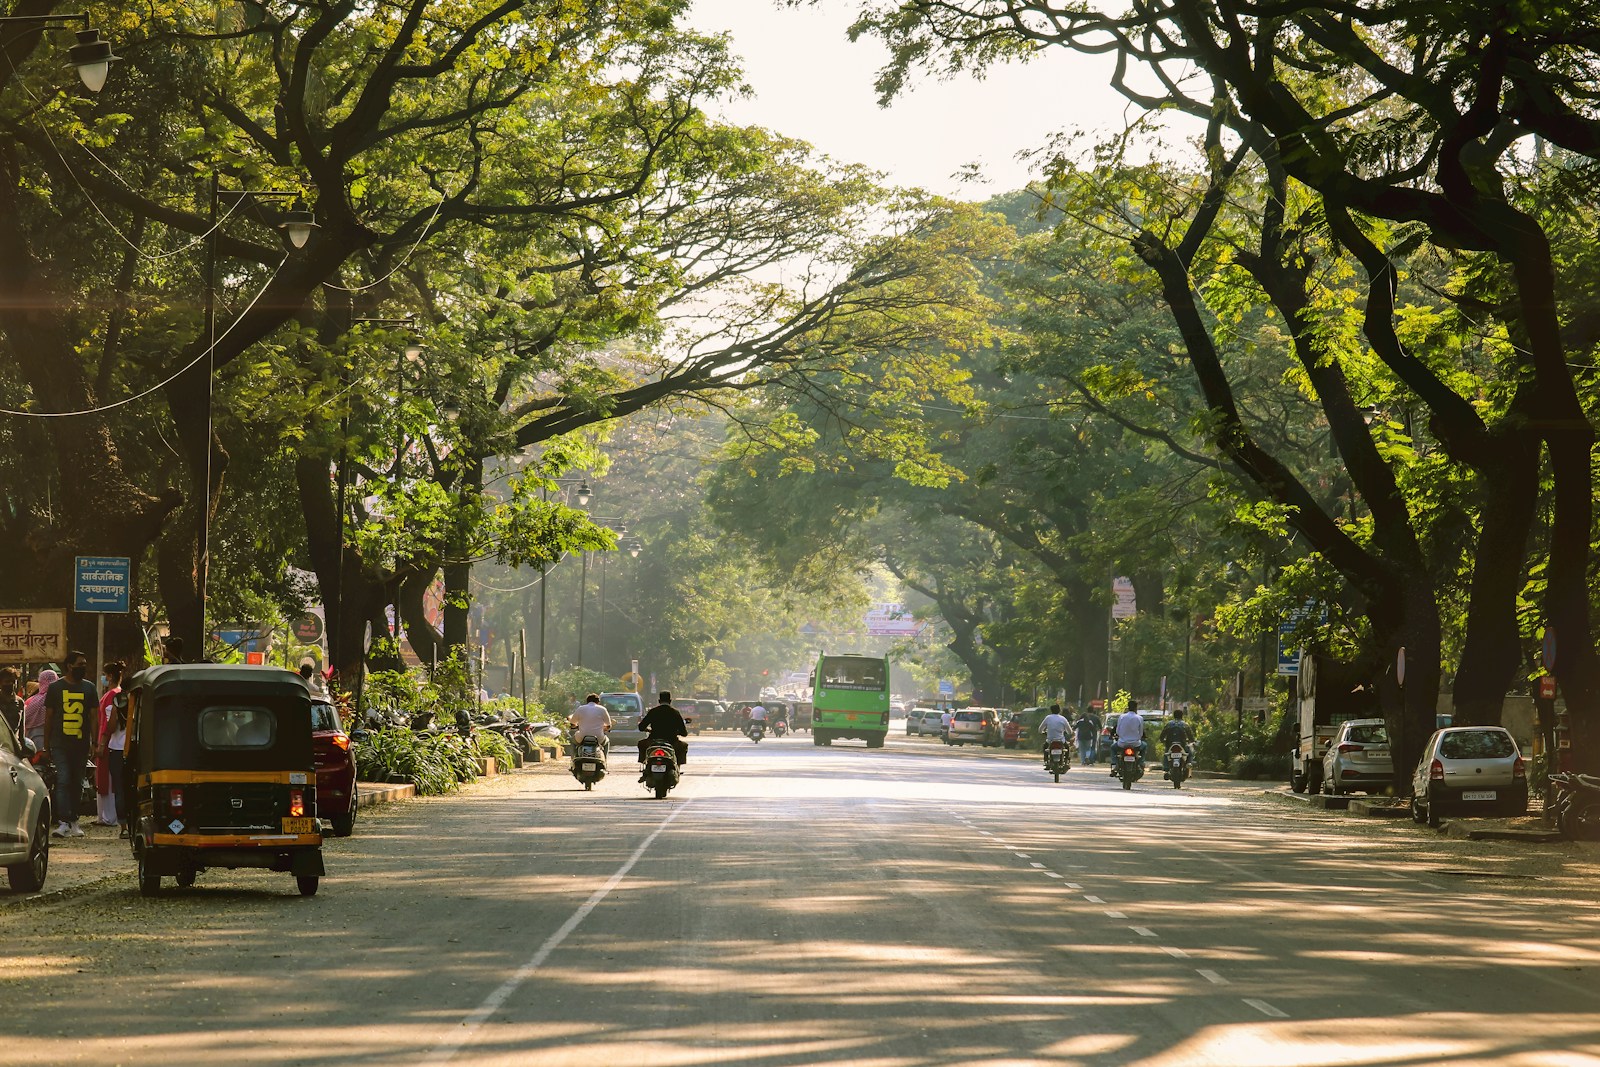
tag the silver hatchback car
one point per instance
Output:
(1469, 770)
(1357, 758)
(24, 815)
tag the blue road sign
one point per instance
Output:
(947, 689)
(101, 584)
(1288, 658)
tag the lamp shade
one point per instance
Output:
(93, 58)
(297, 224)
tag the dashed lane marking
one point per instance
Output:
(1072, 885)
(1143, 931)
(1037, 864)
(1213, 977)
(1115, 915)
(1175, 953)
(1266, 1009)
(1093, 900)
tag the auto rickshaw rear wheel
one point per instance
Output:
(308, 884)
(186, 878)
(149, 880)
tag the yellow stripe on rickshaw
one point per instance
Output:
(224, 777)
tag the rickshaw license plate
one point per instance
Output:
(301, 825)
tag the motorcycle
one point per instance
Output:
(1127, 763)
(1056, 759)
(589, 761)
(660, 767)
(756, 730)
(1178, 765)
(1575, 803)
(780, 728)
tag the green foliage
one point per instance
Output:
(397, 754)
(565, 690)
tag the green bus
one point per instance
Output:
(850, 699)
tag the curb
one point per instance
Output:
(1464, 831)
(1382, 809)
(1320, 801)
(371, 794)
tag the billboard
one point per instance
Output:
(891, 620)
(33, 636)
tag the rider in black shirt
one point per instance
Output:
(664, 723)
(1176, 732)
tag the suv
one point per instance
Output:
(24, 814)
(336, 768)
(975, 725)
(924, 721)
(1358, 758)
(626, 710)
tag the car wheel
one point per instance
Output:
(307, 884)
(28, 876)
(1417, 814)
(1297, 782)
(149, 880)
(1433, 813)
(344, 825)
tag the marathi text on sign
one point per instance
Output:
(33, 636)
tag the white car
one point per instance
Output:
(1357, 758)
(1469, 770)
(24, 815)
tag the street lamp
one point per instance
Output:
(91, 56)
(296, 225)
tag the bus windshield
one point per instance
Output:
(851, 672)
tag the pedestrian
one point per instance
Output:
(10, 701)
(33, 711)
(1087, 730)
(171, 649)
(105, 785)
(69, 728)
(945, 719)
(308, 671)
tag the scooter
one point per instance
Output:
(780, 728)
(1178, 768)
(1056, 761)
(660, 767)
(589, 761)
(1575, 802)
(1127, 763)
(756, 730)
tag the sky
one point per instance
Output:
(810, 82)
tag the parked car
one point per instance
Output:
(1471, 770)
(24, 814)
(1358, 757)
(921, 722)
(626, 710)
(336, 768)
(709, 714)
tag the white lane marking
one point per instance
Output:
(985, 833)
(1143, 931)
(1037, 864)
(1115, 915)
(446, 1050)
(1051, 874)
(1072, 885)
(1021, 855)
(1213, 977)
(1266, 1009)
(1093, 900)
(1175, 953)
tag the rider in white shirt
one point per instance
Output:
(1130, 731)
(758, 714)
(593, 719)
(1055, 726)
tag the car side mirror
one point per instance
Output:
(359, 736)
(29, 749)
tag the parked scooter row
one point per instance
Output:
(1575, 804)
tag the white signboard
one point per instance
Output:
(1124, 604)
(33, 636)
(891, 620)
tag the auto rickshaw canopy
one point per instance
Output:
(212, 716)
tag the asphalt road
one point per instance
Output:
(792, 905)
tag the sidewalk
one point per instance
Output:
(101, 854)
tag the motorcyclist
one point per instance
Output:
(592, 719)
(1054, 727)
(664, 723)
(1130, 731)
(1176, 732)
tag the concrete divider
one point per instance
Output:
(369, 794)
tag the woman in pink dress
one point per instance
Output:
(104, 786)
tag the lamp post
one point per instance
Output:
(583, 494)
(296, 225)
(91, 56)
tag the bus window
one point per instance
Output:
(848, 672)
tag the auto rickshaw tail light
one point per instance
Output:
(175, 799)
(297, 802)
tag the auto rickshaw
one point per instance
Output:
(220, 763)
